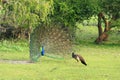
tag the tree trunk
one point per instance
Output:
(99, 24)
(103, 36)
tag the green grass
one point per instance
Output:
(103, 60)
(100, 67)
(14, 50)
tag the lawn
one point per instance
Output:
(103, 60)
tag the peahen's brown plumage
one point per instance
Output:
(79, 58)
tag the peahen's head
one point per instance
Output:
(73, 54)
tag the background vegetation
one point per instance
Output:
(21, 17)
(29, 14)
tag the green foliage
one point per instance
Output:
(112, 9)
(26, 13)
(115, 23)
(15, 50)
(29, 13)
(110, 6)
(68, 12)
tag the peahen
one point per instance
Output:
(79, 58)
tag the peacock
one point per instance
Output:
(51, 40)
(42, 51)
(79, 58)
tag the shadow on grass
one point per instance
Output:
(93, 44)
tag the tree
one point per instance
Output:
(68, 12)
(112, 9)
(25, 13)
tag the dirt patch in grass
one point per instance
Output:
(16, 61)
